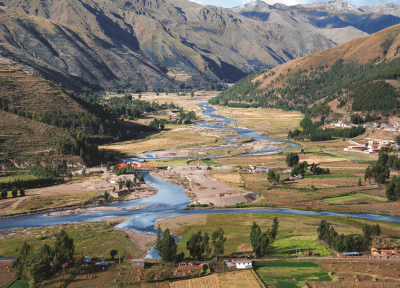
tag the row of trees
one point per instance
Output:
(348, 243)
(379, 172)
(259, 241)
(14, 192)
(198, 245)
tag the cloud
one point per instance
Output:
(196, 1)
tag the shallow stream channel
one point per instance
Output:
(168, 202)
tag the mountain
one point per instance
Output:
(325, 16)
(118, 40)
(360, 76)
(154, 44)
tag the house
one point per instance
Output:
(229, 264)
(138, 263)
(101, 263)
(384, 254)
(242, 263)
(87, 259)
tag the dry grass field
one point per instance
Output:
(6, 275)
(203, 282)
(238, 279)
(275, 122)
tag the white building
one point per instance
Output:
(244, 264)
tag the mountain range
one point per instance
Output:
(154, 44)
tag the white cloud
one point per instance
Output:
(286, 2)
(196, 1)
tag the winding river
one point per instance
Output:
(170, 200)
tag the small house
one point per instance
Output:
(242, 263)
(87, 259)
(138, 263)
(229, 264)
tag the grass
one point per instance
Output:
(290, 273)
(20, 284)
(210, 162)
(20, 176)
(347, 175)
(288, 246)
(237, 279)
(237, 228)
(90, 238)
(327, 154)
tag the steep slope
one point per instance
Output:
(72, 56)
(348, 75)
(178, 35)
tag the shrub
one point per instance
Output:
(4, 194)
(22, 191)
(149, 275)
(14, 192)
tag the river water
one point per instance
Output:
(170, 200)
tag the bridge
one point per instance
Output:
(138, 167)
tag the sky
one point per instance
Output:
(234, 3)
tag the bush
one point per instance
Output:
(4, 194)
(14, 192)
(22, 191)
(149, 275)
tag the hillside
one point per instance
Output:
(155, 44)
(340, 80)
(66, 54)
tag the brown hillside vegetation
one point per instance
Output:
(360, 50)
(22, 90)
(22, 135)
(71, 55)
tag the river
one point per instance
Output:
(170, 200)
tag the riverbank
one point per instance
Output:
(202, 189)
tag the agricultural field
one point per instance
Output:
(288, 274)
(238, 279)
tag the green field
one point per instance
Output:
(20, 176)
(288, 246)
(20, 284)
(85, 235)
(347, 175)
(287, 274)
(327, 154)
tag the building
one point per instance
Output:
(138, 263)
(87, 259)
(229, 264)
(384, 254)
(242, 263)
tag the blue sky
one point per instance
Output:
(233, 3)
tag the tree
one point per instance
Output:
(359, 182)
(194, 246)
(22, 191)
(120, 183)
(14, 192)
(69, 175)
(113, 253)
(277, 178)
(271, 175)
(218, 240)
(205, 245)
(83, 172)
(108, 167)
(141, 177)
(4, 193)
(274, 230)
(169, 247)
(162, 126)
(150, 275)
(128, 183)
(299, 169)
(106, 195)
(292, 159)
(63, 249)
